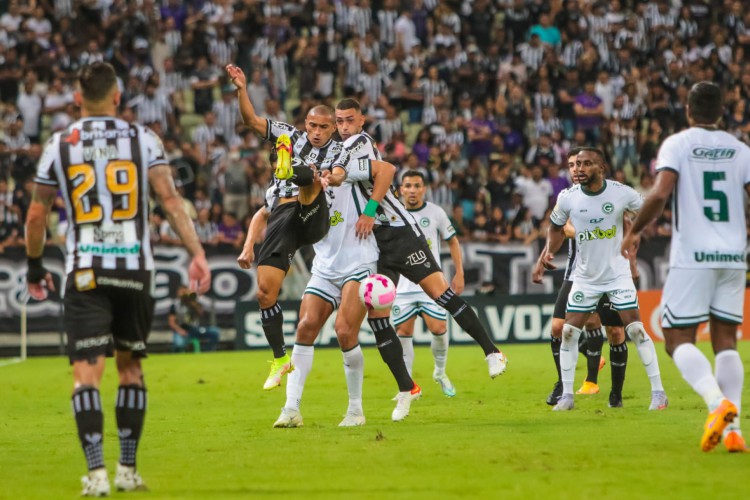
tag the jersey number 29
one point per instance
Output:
(121, 180)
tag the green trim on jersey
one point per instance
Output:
(424, 204)
(592, 193)
(669, 169)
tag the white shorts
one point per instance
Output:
(584, 297)
(691, 295)
(408, 305)
(330, 289)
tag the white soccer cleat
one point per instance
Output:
(445, 384)
(565, 403)
(659, 400)
(497, 363)
(96, 484)
(289, 419)
(352, 420)
(127, 479)
(403, 403)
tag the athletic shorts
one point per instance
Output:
(408, 305)
(330, 289)
(404, 251)
(585, 297)
(106, 309)
(290, 227)
(608, 316)
(690, 296)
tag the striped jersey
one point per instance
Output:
(100, 165)
(357, 152)
(302, 151)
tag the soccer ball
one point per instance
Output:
(377, 292)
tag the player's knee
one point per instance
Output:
(570, 333)
(346, 333)
(557, 328)
(615, 335)
(130, 372)
(307, 330)
(266, 295)
(637, 332)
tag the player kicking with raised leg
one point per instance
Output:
(403, 251)
(596, 208)
(109, 263)
(411, 301)
(705, 171)
(296, 211)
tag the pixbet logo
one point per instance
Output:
(597, 234)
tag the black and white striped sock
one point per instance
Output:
(272, 321)
(87, 408)
(130, 410)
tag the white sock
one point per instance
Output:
(696, 370)
(569, 356)
(647, 353)
(302, 359)
(730, 375)
(407, 344)
(439, 346)
(354, 369)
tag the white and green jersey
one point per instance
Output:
(340, 252)
(708, 207)
(597, 218)
(434, 223)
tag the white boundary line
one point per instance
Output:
(11, 361)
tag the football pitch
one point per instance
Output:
(208, 433)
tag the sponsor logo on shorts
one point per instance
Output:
(102, 249)
(622, 291)
(424, 222)
(92, 342)
(336, 218)
(578, 297)
(138, 345)
(119, 283)
(85, 280)
(417, 258)
(396, 310)
(712, 154)
(608, 208)
(718, 257)
(597, 234)
(310, 213)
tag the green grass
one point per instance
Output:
(208, 434)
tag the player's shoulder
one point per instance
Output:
(571, 192)
(356, 140)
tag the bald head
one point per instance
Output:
(322, 111)
(320, 124)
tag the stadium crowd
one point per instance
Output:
(484, 96)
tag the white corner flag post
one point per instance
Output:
(24, 327)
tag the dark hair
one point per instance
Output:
(413, 173)
(96, 81)
(574, 152)
(705, 103)
(598, 152)
(349, 103)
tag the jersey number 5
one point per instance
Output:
(709, 193)
(121, 181)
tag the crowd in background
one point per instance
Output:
(486, 97)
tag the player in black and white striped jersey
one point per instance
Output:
(296, 211)
(103, 166)
(403, 249)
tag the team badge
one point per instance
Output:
(578, 297)
(424, 222)
(608, 208)
(85, 280)
(396, 310)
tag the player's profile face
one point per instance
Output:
(413, 191)
(588, 167)
(572, 170)
(349, 122)
(319, 129)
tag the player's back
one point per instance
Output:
(708, 208)
(100, 165)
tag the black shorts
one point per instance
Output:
(290, 227)
(106, 310)
(404, 251)
(608, 316)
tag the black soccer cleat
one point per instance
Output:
(615, 400)
(556, 394)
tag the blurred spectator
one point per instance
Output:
(207, 231)
(230, 231)
(498, 229)
(525, 227)
(536, 191)
(184, 319)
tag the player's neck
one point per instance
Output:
(416, 207)
(711, 127)
(98, 111)
(594, 188)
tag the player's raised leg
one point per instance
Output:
(348, 322)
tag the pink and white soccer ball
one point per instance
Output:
(377, 292)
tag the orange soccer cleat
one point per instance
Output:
(716, 423)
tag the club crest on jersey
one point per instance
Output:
(597, 234)
(424, 222)
(608, 208)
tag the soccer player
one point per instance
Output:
(403, 250)
(705, 171)
(593, 340)
(103, 166)
(342, 261)
(411, 301)
(596, 208)
(296, 211)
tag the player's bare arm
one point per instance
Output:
(257, 123)
(36, 224)
(457, 284)
(160, 178)
(257, 226)
(652, 207)
(382, 177)
(336, 176)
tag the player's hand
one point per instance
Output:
(38, 280)
(199, 274)
(246, 258)
(630, 244)
(364, 226)
(457, 284)
(236, 76)
(538, 272)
